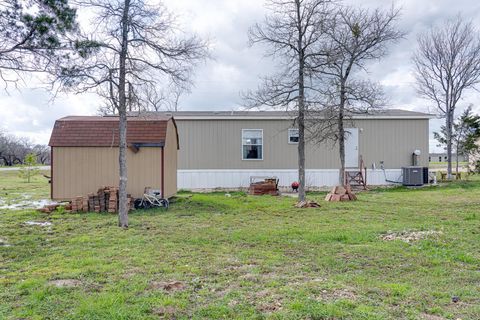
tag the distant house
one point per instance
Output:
(224, 149)
(442, 157)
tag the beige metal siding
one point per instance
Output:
(393, 141)
(78, 171)
(171, 151)
(216, 144)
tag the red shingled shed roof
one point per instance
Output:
(96, 131)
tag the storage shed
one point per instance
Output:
(84, 153)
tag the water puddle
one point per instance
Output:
(25, 204)
(38, 223)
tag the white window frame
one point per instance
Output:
(289, 135)
(241, 145)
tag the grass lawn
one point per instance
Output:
(246, 257)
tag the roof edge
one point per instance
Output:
(360, 117)
(284, 115)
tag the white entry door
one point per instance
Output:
(351, 148)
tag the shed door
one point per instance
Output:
(351, 148)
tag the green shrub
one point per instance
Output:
(29, 169)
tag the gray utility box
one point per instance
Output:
(412, 176)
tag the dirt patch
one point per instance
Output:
(409, 236)
(65, 283)
(249, 277)
(270, 307)
(240, 267)
(132, 272)
(266, 300)
(168, 286)
(222, 292)
(426, 316)
(167, 312)
(337, 294)
(262, 294)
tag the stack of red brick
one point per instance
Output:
(341, 194)
(105, 200)
(49, 208)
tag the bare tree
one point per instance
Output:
(447, 63)
(152, 97)
(133, 45)
(155, 99)
(13, 149)
(293, 32)
(42, 152)
(175, 94)
(161, 99)
(109, 106)
(353, 38)
(33, 36)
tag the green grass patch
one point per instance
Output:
(244, 257)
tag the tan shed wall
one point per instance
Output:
(78, 171)
(216, 144)
(171, 154)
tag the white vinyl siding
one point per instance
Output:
(240, 178)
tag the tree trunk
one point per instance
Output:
(456, 162)
(301, 110)
(449, 124)
(341, 135)
(301, 151)
(122, 113)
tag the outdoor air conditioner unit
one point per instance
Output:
(412, 176)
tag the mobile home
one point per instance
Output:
(224, 149)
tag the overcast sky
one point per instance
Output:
(236, 67)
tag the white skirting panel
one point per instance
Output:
(231, 179)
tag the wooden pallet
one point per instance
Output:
(357, 178)
(268, 186)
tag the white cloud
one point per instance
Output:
(31, 113)
(237, 67)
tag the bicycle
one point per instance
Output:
(151, 199)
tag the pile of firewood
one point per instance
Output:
(105, 200)
(268, 186)
(341, 194)
(307, 204)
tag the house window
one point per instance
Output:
(252, 144)
(292, 135)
